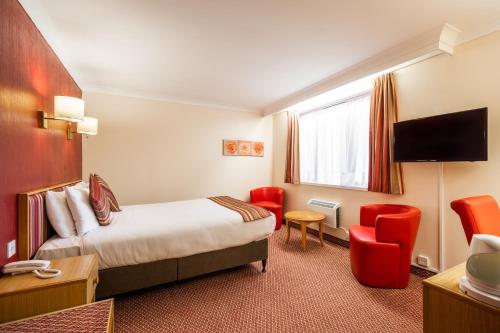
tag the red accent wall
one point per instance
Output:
(30, 157)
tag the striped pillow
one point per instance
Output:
(113, 203)
(99, 202)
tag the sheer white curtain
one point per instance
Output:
(334, 144)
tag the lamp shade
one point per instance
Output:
(87, 126)
(68, 108)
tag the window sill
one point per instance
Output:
(337, 186)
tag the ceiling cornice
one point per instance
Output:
(434, 42)
(164, 98)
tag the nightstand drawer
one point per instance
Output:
(26, 295)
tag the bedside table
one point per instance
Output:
(449, 309)
(25, 295)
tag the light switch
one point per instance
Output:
(11, 248)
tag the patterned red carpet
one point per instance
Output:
(301, 292)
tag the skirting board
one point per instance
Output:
(418, 271)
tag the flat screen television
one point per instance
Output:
(458, 136)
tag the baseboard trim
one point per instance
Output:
(422, 272)
(418, 271)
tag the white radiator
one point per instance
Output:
(330, 209)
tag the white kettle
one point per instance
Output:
(482, 280)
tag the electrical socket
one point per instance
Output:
(11, 248)
(423, 260)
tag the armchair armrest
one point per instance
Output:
(254, 195)
(397, 228)
(278, 196)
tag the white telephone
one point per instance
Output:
(36, 266)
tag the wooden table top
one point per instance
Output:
(448, 282)
(73, 269)
(304, 216)
(448, 279)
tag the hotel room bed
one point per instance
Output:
(151, 244)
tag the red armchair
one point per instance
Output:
(479, 215)
(381, 246)
(270, 198)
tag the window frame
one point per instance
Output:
(364, 93)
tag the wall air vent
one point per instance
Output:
(330, 209)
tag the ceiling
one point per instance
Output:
(237, 54)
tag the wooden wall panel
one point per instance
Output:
(30, 157)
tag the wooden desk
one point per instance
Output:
(304, 217)
(91, 318)
(26, 295)
(448, 309)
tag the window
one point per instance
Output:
(334, 144)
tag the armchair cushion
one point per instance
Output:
(363, 233)
(267, 204)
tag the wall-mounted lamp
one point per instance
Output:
(88, 126)
(69, 109)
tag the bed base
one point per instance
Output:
(118, 280)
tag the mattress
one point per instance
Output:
(146, 233)
(57, 248)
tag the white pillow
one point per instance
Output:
(82, 212)
(59, 214)
(82, 184)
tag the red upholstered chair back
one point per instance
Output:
(479, 215)
(274, 194)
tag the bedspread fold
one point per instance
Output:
(247, 211)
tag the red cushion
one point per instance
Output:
(113, 203)
(267, 204)
(362, 233)
(99, 201)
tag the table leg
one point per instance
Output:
(320, 224)
(303, 226)
(287, 230)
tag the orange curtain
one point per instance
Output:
(292, 172)
(384, 175)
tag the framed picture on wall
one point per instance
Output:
(244, 148)
(258, 148)
(230, 147)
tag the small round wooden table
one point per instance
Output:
(304, 217)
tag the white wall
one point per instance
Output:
(468, 79)
(155, 151)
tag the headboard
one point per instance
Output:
(32, 223)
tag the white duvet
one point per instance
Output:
(145, 233)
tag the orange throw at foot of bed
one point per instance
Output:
(248, 211)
